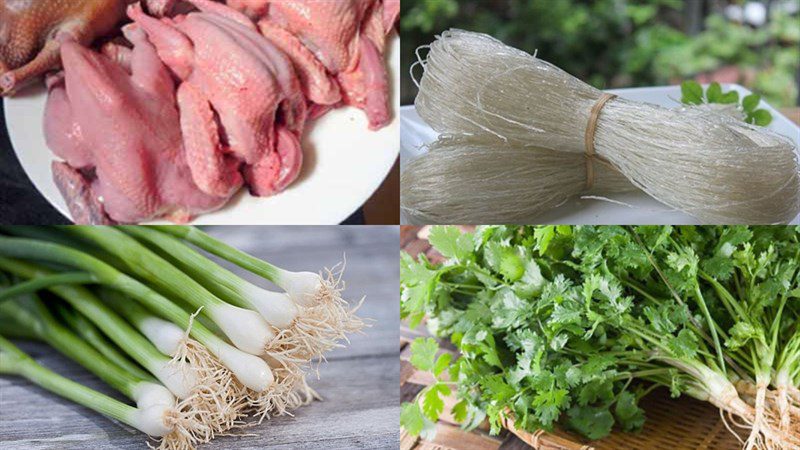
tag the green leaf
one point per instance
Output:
(594, 423)
(508, 309)
(418, 283)
(423, 352)
(450, 242)
(729, 98)
(628, 413)
(459, 411)
(504, 259)
(432, 402)
(741, 333)
(411, 418)
(761, 117)
(549, 404)
(714, 93)
(597, 390)
(684, 345)
(414, 319)
(750, 103)
(497, 387)
(442, 363)
(532, 281)
(692, 93)
(512, 267)
(491, 357)
(543, 235)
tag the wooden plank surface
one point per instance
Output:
(361, 409)
(792, 113)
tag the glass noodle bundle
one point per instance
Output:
(479, 179)
(711, 166)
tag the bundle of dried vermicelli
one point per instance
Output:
(713, 167)
(464, 179)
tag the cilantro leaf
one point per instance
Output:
(741, 333)
(423, 352)
(594, 423)
(714, 93)
(459, 411)
(432, 402)
(451, 242)
(411, 418)
(751, 102)
(597, 390)
(729, 98)
(692, 93)
(504, 259)
(549, 405)
(628, 413)
(684, 345)
(760, 117)
(543, 235)
(442, 363)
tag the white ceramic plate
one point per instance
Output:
(345, 163)
(635, 207)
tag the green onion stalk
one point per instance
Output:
(15, 362)
(157, 413)
(84, 328)
(202, 398)
(310, 313)
(223, 372)
(178, 377)
(289, 390)
(246, 328)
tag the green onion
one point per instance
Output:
(14, 361)
(63, 340)
(305, 288)
(308, 332)
(245, 328)
(321, 318)
(81, 326)
(249, 370)
(165, 335)
(48, 281)
(177, 376)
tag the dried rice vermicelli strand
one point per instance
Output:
(483, 180)
(713, 167)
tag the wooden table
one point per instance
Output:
(359, 383)
(383, 208)
(792, 113)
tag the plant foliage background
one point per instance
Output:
(626, 43)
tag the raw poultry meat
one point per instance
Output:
(346, 37)
(318, 85)
(207, 101)
(228, 68)
(31, 32)
(118, 131)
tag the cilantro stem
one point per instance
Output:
(734, 307)
(712, 325)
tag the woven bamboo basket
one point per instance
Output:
(672, 424)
